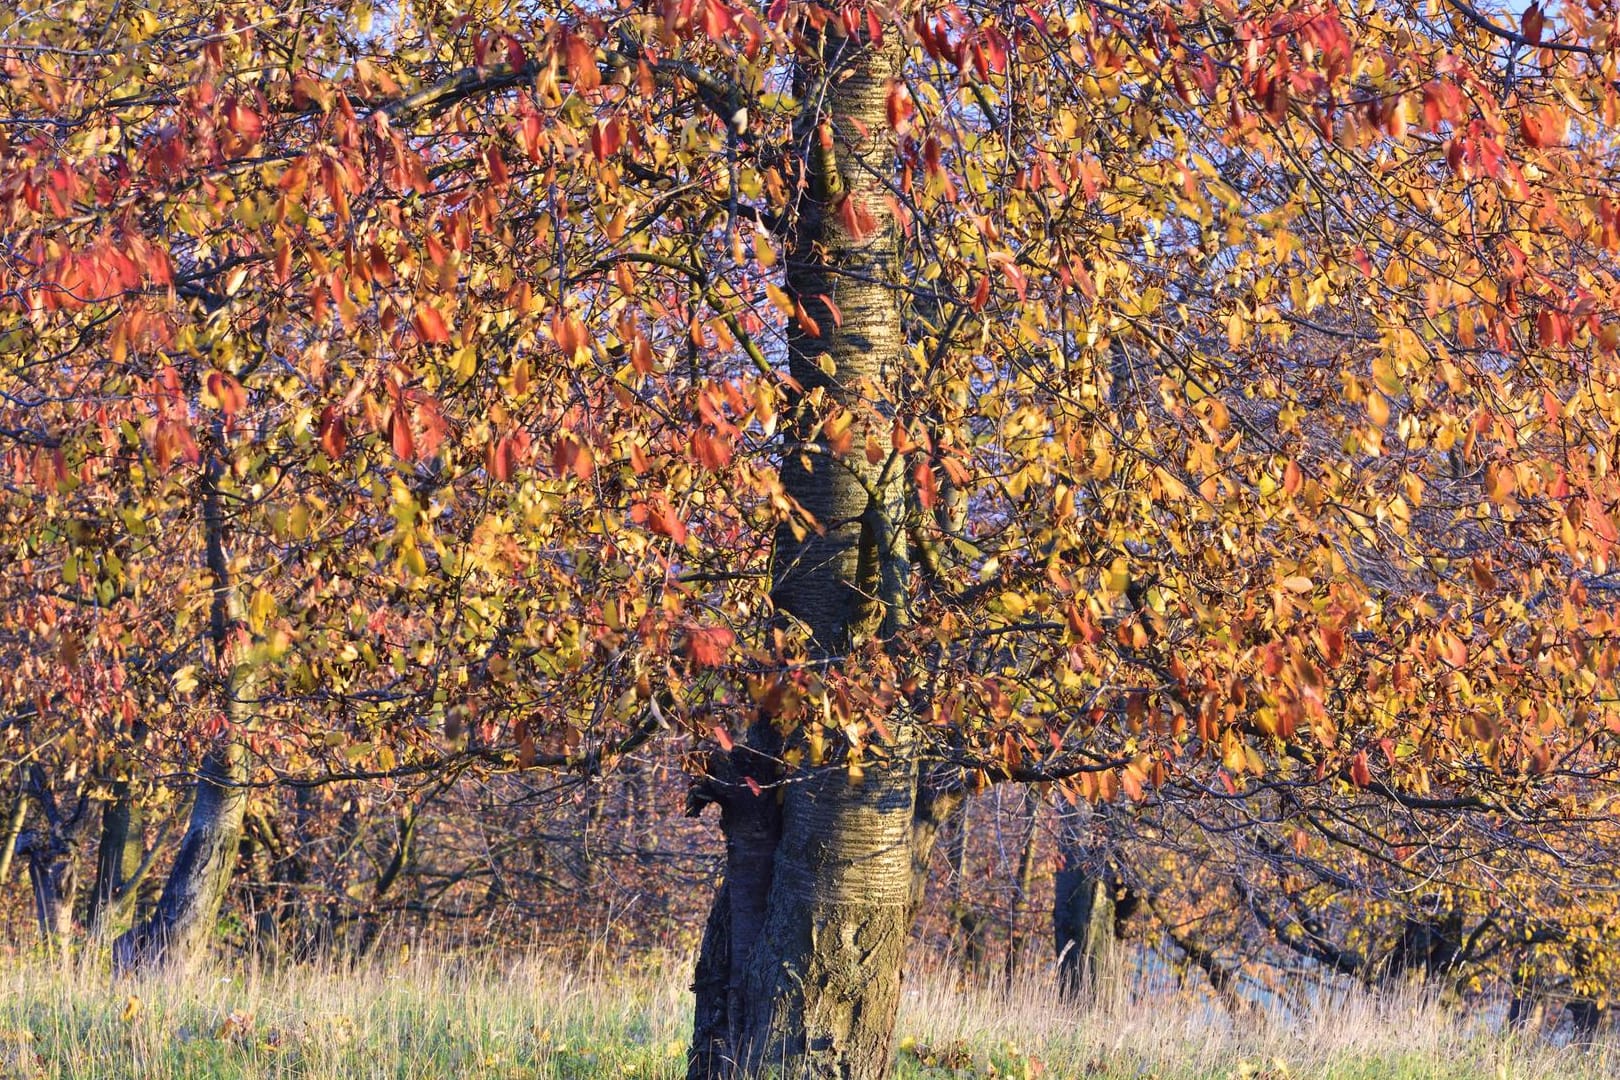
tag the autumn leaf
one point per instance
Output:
(333, 432)
(226, 392)
(707, 646)
(430, 325)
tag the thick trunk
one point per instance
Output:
(196, 885)
(823, 985)
(811, 925)
(195, 889)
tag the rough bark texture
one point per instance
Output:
(823, 986)
(799, 974)
(196, 885)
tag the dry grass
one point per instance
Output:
(531, 1016)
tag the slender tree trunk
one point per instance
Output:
(13, 829)
(51, 872)
(1083, 912)
(753, 829)
(196, 885)
(118, 858)
(812, 976)
(1018, 919)
(937, 801)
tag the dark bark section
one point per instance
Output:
(753, 828)
(195, 888)
(118, 860)
(1429, 946)
(1089, 902)
(53, 877)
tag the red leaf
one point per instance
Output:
(498, 459)
(1359, 772)
(723, 737)
(707, 645)
(927, 488)
(399, 431)
(581, 60)
(228, 392)
(334, 432)
(1293, 479)
(1532, 22)
(856, 218)
(606, 138)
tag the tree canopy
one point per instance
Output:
(1206, 402)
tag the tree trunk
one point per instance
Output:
(13, 829)
(196, 885)
(1083, 912)
(823, 986)
(118, 858)
(937, 801)
(812, 976)
(51, 873)
(1024, 884)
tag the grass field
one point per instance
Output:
(437, 1016)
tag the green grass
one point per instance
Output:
(534, 1016)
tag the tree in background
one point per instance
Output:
(899, 399)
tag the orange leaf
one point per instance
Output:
(1359, 772)
(430, 326)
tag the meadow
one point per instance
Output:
(435, 1015)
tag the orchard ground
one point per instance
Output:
(444, 1015)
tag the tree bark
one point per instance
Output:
(14, 828)
(1083, 907)
(54, 881)
(51, 872)
(195, 888)
(1024, 884)
(118, 858)
(811, 979)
